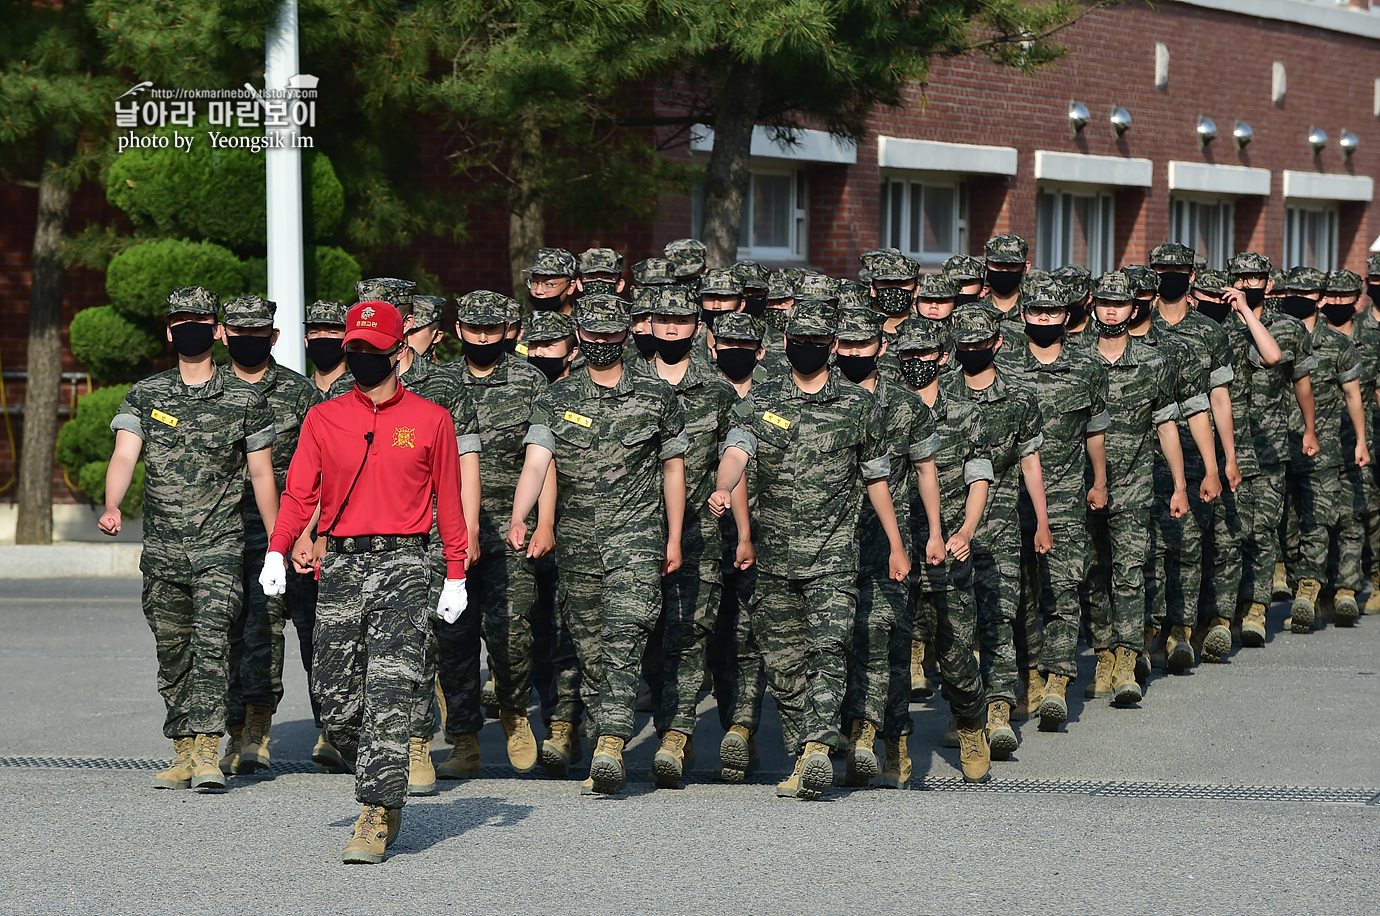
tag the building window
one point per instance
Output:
(773, 225)
(1074, 227)
(927, 220)
(1310, 236)
(1206, 226)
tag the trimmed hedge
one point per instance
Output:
(110, 346)
(336, 275)
(139, 279)
(85, 443)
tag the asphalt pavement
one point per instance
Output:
(1246, 787)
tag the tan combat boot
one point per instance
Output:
(1279, 589)
(230, 760)
(463, 761)
(950, 736)
(816, 770)
(254, 750)
(920, 686)
(522, 744)
(974, 754)
(1031, 696)
(206, 772)
(1178, 649)
(896, 772)
(790, 786)
(1217, 642)
(1125, 688)
(1373, 602)
(179, 774)
(392, 819)
(421, 773)
(1101, 685)
(560, 749)
(1305, 606)
(675, 755)
(1253, 626)
(324, 757)
(1154, 655)
(1001, 738)
(1347, 610)
(371, 837)
(606, 766)
(862, 754)
(737, 754)
(1054, 710)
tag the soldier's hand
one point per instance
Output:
(899, 566)
(1097, 497)
(935, 551)
(1362, 455)
(472, 551)
(517, 534)
(1233, 472)
(1236, 299)
(543, 542)
(672, 558)
(1310, 444)
(1178, 504)
(273, 577)
(1044, 540)
(453, 601)
(303, 554)
(719, 502)
(1211, 488)
(960, 545)
(747, 555)
(110, 522)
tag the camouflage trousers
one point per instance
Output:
(457, 674)
(996, 586)
(735, 660)
(1223, 548)
(949, 612)
(605, 622)
(373, 619)
(674, 662)
(879, 666)
(1259, 502)
(804, 627)
(1364, 487)
(544, 635)
(191, 634)
(1322, 529)
(256, 638)
(1119, 545)
(1051, 613)
(1174, 574)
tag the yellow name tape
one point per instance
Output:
(521, 349)
(774, 420)
(163, 417)
(578, 420)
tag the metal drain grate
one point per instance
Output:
(1311, 794)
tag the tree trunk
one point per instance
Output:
(526, 203)
(726, 182)
(43, 388)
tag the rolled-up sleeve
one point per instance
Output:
(127, 420)
(676, 446)
(468, 443)
(925, 449)
(876, 468)
(1098, 423)
(1030, 446)
(539, 434)
(1220, 376)
(975, 469)
(1169, 411)
(1194, 405)
(741, 438)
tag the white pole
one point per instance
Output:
(283, 165)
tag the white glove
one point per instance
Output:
(273, 578)
(454, 600)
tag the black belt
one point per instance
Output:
(376, 543)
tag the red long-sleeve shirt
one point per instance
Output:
(413, 457)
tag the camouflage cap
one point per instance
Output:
(921, 334)
(1142, 279)
(1171, 254)
(397, 293)
(751, 275)
(193, 300)
(1211, 281)
(1041, 303)
(645, 301)
(738, 326)
(965, 268)
(1248, 262)
(427, 310)
(813, 317)
(249, 312)
(973, 324)
(544, 327)
(552, 262)
(816, 286)
(601, 261)
(1077, 281)
(1305, 280)
(1034, 279)
(851, 292)
(780, 285)
(889, 264)
(687, 256)
(1006, 249)
(857, 320)
(676, 300)
(482, 307)
(1344, 281)
(720, 281)
(1043, 286)
(602, 314)
(331, 314)
(1373, 265)
(937, 286)
(654, 272)
(1113, 286)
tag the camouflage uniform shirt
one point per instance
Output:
(910, 437)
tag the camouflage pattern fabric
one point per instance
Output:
(193, 300)
(1365, 482)
(322, 312)
(552, 262)
(1005, 249)
(190, 620)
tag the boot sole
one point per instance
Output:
(421, 788)
(1053, 713)
(554, 762)
(1216, 644)
(250, 764)
(172, 784)
(359, 857)
(1347, 612)
(816, 775)
(1252, 637)
(1127, 695)
(1091, 692)
(977, 780)
(735, 758)
(1302, 613)
(1002, 743)
(666, 771)
(607, 775)
(921, 690)
(862, 768)
(452, 774)
(1180, 660)
(208, 782)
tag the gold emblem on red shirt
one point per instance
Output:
(405, 437)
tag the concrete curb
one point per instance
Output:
(24, 561)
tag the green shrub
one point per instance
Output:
(91, 481)
(85, 443)
(336, 275)
(110, 346)
(140, 278)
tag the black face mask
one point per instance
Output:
(964, 298)
(601, 355)
(483, 354)
(1254, 296)
(550, 366)
(736, 363)
(920, 372)
(510, 344)
(325, 353)
(249, 351)
(1217, 311)
(1372, 290)
(806, 358)
(755, 305)
(776, 318)
(1339, 314)
(1077, 313)
(856, 368)
(369, 368)
(1142, 311)
(193, 338)
(1174, 286)
(975, 361)
(673, 351)
(1299, 306)
(893, 300)
(598, 288)
(1112, 330)
(1044, 335)
(1004, 282)
(544, 303)
(646, 345)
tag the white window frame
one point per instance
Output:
(1183, 207)
(1295, 225)
(903, 222)
(798, 250)
(1049, 240)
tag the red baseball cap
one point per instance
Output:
(374, 322)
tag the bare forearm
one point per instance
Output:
(1354, 409)
(1221, 416)
(879, 494)
(1173, 453)
(975, 506)
(265, 487)
(1303, 393)
(731, 467)
(469, 494)
(546, 501)
(531, 481)
(673, 492)
(1097, 457)
(1034, 478)
(927, 478)
(1201, 428)
(741, 517)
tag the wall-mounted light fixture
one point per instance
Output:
(1242, 135)
(1348, 142)
(1207, 130)
(1317, 138)
(1078, 117)
(1121, 121)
